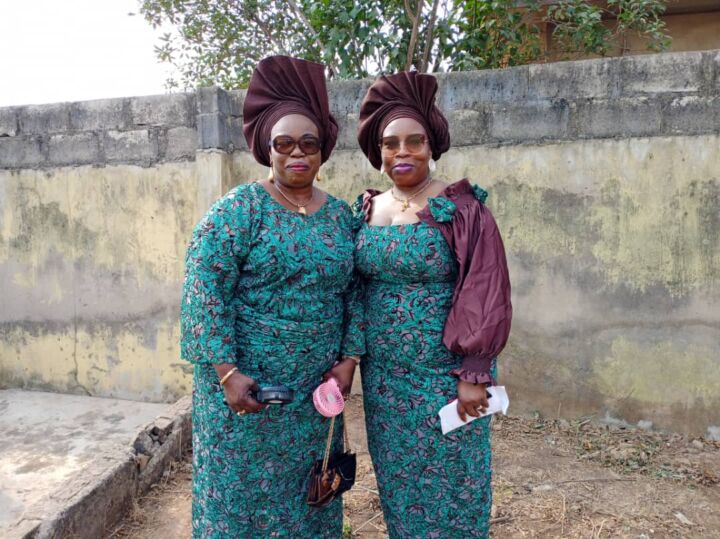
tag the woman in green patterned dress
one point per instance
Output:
(437, 300)
(265, 303)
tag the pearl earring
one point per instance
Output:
(431, 165)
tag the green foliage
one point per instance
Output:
(583, 28)
(220, 41)
(643, 18)
(579, 27)
(495, 34)
(355, 36)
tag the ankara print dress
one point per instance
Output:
(431, 486)
(265, 289)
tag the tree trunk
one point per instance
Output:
(413, 37)
(429, 37)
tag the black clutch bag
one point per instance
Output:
(334, 474)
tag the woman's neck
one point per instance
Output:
(299, 192)
(409, 191)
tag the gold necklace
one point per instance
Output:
(302, 208)
(406, 201)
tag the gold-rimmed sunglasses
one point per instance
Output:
(413, 144)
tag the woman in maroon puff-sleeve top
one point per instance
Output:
(437, 311)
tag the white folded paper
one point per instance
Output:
(498, 402)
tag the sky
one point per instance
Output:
(75, 50)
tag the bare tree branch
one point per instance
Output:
(429, 37)
(448, 14)
(410, 12)
(413, 36)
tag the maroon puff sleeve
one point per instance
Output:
(478, 324)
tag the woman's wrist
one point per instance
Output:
(227, 375)
(225, 371)
(355, 359)
(472, 383)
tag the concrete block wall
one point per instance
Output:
(140, 130)
(660, 95)
(603, 176)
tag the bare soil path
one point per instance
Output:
(553, 479)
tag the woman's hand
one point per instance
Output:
(343, 371)
(237, 390)
(472, 399)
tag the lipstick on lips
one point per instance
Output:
(298, 167)
(403, 167)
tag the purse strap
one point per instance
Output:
(346, 440)
(328, 444)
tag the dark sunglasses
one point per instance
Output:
(309, 145)
(413, 144)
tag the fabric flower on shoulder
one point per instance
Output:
(480, 193)
(361, 208)
(358, 213)
(442, 209)
(357, 207)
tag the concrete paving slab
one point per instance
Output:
(48, 441)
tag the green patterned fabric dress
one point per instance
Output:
(431, 486)
(265, 289)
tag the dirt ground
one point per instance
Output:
(552, 479)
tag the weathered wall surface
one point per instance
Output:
(604, 176)
(97, 201)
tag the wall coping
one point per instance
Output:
(667, 94)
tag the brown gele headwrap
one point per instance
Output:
(281, 86)
(408, 94)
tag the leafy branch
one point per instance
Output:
(220, 41)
